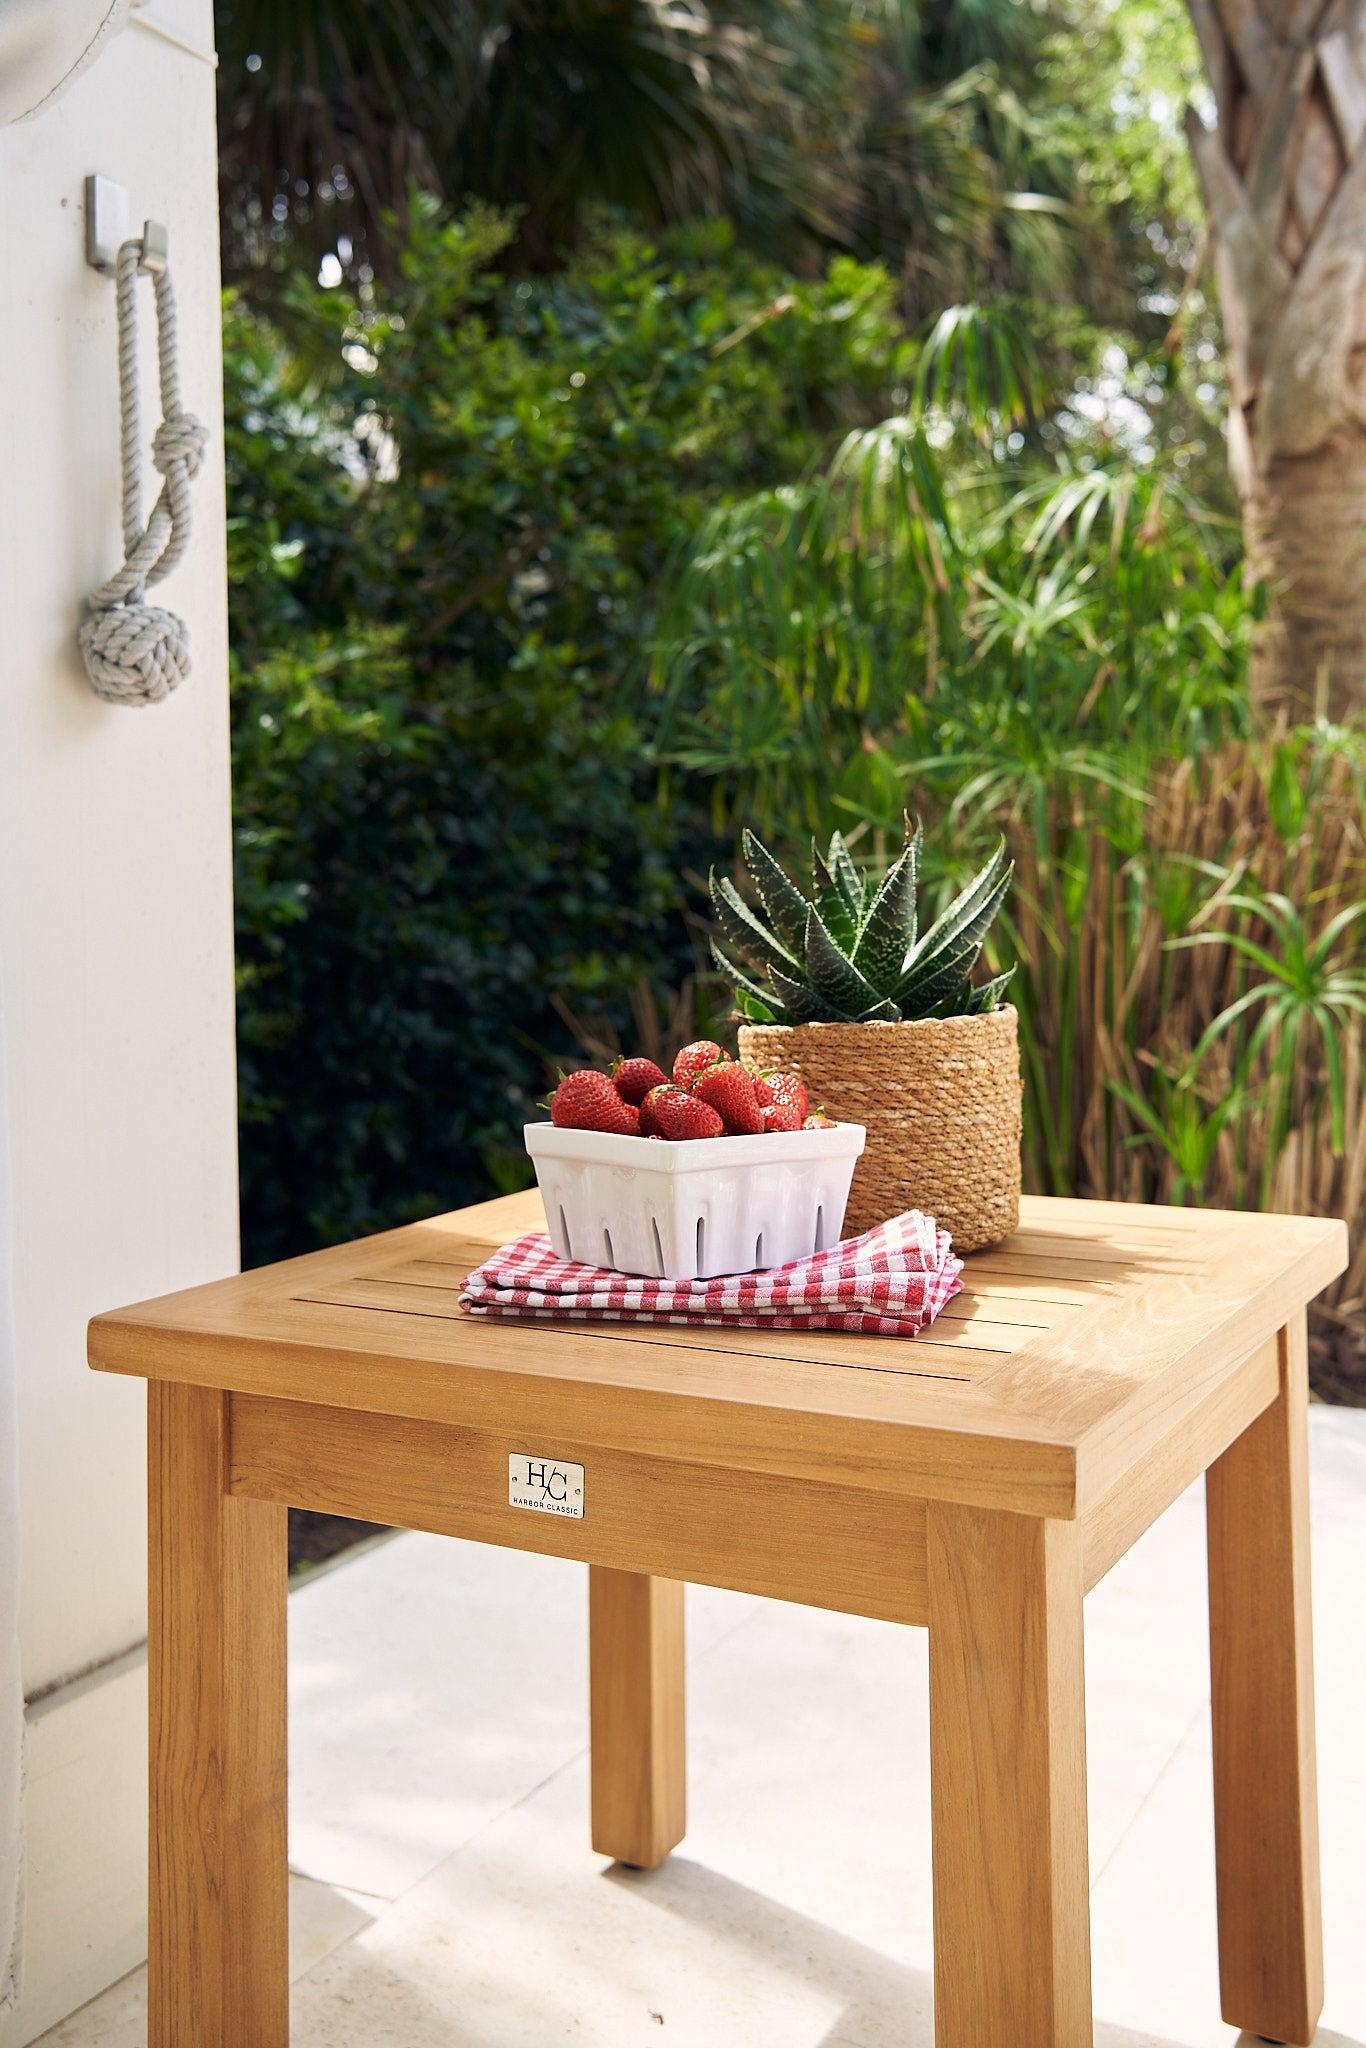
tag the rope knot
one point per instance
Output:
(179, 438)
(135, 653)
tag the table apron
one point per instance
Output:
(859, 1550)
(862, 1552)
(1203, 1433)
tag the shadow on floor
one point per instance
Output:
(1323, 2039)
(349, 2001)
(884, 2004)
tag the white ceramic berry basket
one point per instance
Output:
(697, 1208)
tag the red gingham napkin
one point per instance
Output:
(891, 1282)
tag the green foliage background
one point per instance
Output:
(863, 457)
(449, 527)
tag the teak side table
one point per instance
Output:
(978, 1481)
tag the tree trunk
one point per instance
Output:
(1284, 178)
(1305, 522)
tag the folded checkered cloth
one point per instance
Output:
(891, 1282)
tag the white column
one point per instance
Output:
(117, 1090)
(11, 1663)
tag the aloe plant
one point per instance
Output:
(853, 951)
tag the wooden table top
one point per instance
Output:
(1077, 1347)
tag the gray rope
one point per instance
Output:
(136, 653)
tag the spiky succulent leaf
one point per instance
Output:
(828, 900)
(756, 1011)
(833, 975)
(915, 841)
(889, 930)
(744, 984)
(781, 898)
(847, 878)
(802, 1004)
(751, 939)
(936, 975)
(964, 906)
(969, 915)
(952, 1004)
(938, 991)
(988, 996)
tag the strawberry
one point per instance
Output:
(729, 1090)
(635, 1078)
(778, 1117)
(763, 1094)
(650, 1126)
(695, 1059)
(588, 1102)
(649, 1120)
(818, 1121)
(790, 1091)
(675, 1114)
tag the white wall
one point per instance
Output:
(115, 957)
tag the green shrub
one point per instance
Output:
(449, 518)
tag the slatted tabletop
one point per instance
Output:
(1044, 1279)
(1074, 1346)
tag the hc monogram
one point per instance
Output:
(552, 1480)
(548, 1486)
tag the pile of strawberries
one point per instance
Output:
(710, 1096)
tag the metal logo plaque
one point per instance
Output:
(546, 1486)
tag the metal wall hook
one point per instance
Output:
(106, 229)
(156, 248)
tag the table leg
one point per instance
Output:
(1265, 1799)
(635, 1637)
(218, 1974)
(1012, 1941)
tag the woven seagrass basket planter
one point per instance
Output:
(940, 1099)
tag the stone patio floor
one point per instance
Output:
(446, 1895)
